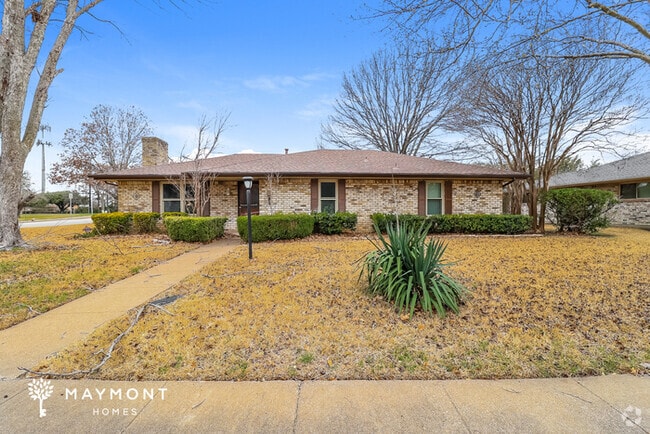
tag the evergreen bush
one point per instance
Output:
(459, 223)
(145, 222)
(195, 229)
(579, 209)
(276, 227)
(113, 223)
(336, 223)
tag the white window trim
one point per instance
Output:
(442, 196)
(636, 191)
(181, 187)
(336, 194)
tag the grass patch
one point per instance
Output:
(61, 268)
(540, 307)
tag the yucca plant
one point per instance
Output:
(408, 271)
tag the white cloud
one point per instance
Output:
(317, 109)
(192, 105)
(279, 83)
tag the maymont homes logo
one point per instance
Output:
(40, 389)
(111, 398)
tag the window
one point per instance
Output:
(434, 198)
(635, 191)
(172, 200)
(327, 199)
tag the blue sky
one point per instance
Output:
(276, 65)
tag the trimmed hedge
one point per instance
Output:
(579, 209)
(276, 227)
(330, 224)
(113, 223)
(460, 223)
(145, 222)
(195, 229)
(174, 214)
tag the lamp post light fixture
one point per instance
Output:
(248, 183)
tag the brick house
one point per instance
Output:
(362, 182)
(628, 179)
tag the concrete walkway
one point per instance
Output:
(25, 344)
(608, 404)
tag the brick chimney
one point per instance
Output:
(154, 151)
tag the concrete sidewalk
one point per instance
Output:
(25, 344)
(611, 404)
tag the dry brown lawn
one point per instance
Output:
(60, 267)
(540, 307)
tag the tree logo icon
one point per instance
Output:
(40, 389)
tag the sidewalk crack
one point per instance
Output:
(295, 416)
(465, 424)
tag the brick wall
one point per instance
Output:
(477, 197)
(224, 202)
(154, 151)
(363, 197)
(366, 197)
(285, 194)
(134, 196)
(633, 212)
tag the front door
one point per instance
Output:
(255, 198)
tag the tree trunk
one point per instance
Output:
(10, 187)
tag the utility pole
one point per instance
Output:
(43, 143)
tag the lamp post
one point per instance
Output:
(248, 183)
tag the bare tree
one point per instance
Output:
(602, 29)
(393, 102)
(24, 89)
(272, 184)
(208, 138)
(536, 115)
(22, 43)
(108, 140)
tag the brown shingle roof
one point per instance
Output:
(321, 163)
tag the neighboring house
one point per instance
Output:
(628, 179)
(362, 182)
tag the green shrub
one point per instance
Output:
(330, 224)
(173, 214)
(579, 209)
(276, 226)
(407, 220)
(407, 270)
(480, 223)
(113, 223)
(195, 229)
(145, 222)
(460, 223)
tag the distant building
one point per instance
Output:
(628, 179)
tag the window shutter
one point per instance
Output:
(422, 198)
(314, 194)
(341, 193)
(155, 196)
(448, 207)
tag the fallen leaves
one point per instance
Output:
(540, 306)
(59, 267)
